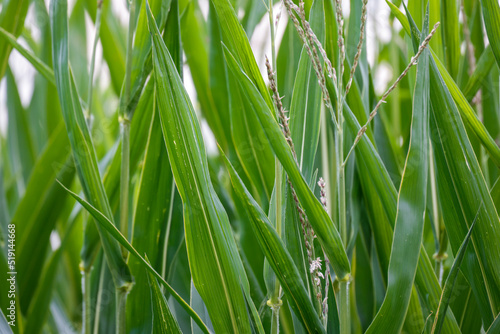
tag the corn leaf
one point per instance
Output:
(164, 321)
(491, 15)
(483, 67)
(411, 209)
(235, 39)
(39, 65)
(39, 309)
(321, 222)
(12, 20)
(216, 268)
(80, 140)
(384, 208)
(464, 107)
(450, 281)
(113, 42)
(277, 255)
(450, 35)
(105, 223)
(306, 102)
(495, 326)
(450, 140)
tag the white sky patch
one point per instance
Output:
(55, 240)
(377, 30)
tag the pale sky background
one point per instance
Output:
(378, 26)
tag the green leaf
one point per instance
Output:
(287, 62)
(80, 140)
(491, 16)
(40, 307)
(216, 268)
(235, 39)
(321, 222)
(410, 209)
(450, 35)
(35, 215)
(113, 42)
(78, 60)
(277, 255)
(469, 116)
(456, 159)
(255, 157)
(483, 68)
(464, 107)
(164, 321)
(39, 65)
(375, 179)
(21, 148)
(193, 32)
(153, 206)
(141, 55)
(306, 102)
(105, 223)
(451, 279)
(12, 20)
(495, 326)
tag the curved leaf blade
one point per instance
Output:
(410, 210)
(277, 255)
(214, 261)
(319, 219)
(164, 321)
(79, 136)
(105, 223)
(451, 279)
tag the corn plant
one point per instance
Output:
(168, 174)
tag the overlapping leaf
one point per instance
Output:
(278, 257)
(410, 216)
(80, 140)
(321, 222)
(216, 268)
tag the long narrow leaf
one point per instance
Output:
(491, 15)
(451, 142)
(321, 222)
(164, 321)
(451, 279)
(277, 255)
(81, 142)
(39, 65)
(106, 224)
(214, 261)
(411, 209)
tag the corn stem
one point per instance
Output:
(275, 299)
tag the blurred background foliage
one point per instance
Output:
(68, 283)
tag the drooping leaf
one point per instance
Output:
(450, 140)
